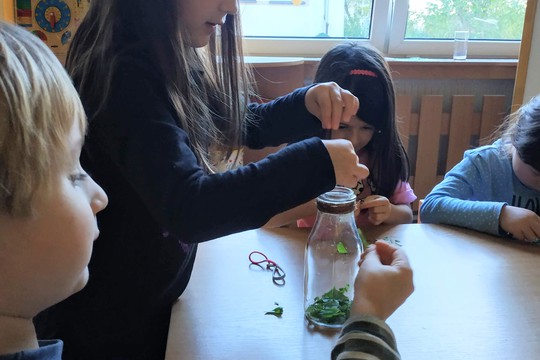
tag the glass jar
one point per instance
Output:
(331, 259)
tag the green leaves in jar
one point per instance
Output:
(332, 307)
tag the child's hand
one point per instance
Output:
(379, 208)
(346, 167)
(523, 224)
(384, 281)
(331, 104)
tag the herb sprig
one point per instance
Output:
(277, 311)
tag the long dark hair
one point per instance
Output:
(363, 71)
(522, 130)
(211, 108)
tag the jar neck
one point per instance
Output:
(333, 208)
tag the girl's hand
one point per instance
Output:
(347, 170)
(331, 104)
(379, 208)
(523, 224)
(384, 281)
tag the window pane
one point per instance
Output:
(484, 19)
(306, 18)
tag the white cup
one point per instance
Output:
(460, 45)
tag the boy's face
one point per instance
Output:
(46, 256)
(528, 176)
(358, 132)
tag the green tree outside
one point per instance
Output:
(484, 19)
(357, 18)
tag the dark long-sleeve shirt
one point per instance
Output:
(162, 203)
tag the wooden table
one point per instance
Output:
(476, 297)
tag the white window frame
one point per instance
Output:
(316, 47)
(387, 35)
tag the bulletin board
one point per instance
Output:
(53, 21)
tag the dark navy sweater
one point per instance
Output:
(162, 203)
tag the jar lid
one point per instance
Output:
(337, 201)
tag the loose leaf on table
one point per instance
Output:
(277, 311)
(392, 240)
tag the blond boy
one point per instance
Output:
(47, 202)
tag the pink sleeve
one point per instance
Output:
(403, 194)
(306, 222)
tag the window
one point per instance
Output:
(425, 28)
(307, 18)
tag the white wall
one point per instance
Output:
(532, 83)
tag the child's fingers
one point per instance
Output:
(325, 109)
(379, 209)
(361, 172)
(391, 255)
(351, 105)
(385, 251)
(530, 235)
(333, 104)
(370, 259)
(373, 201)
(376, 219)
(337, 106)
(370, 248)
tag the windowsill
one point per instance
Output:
(270, 61)
(273, 61)
(450, 61)
(413, 67)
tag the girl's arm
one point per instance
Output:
(522, 224)
(151, 157)
(399, 214)
(300, 114)
(401, 199)
(396, 210)
(283, 120)
(384, 282)
(289, 217)
(382, 211)
(464, 198)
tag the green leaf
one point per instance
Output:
(277, 311)
(365, 243)
(332, 307)
(341, 248)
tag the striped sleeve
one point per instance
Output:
(366, 338)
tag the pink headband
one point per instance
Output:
(363, 72)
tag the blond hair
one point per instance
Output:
(38, 107)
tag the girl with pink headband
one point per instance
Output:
(385, 196)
